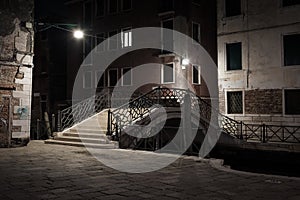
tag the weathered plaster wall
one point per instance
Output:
(16, 62)
(263, 77)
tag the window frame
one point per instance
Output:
(108, 77)
(109, 40)
(283, 49)
(199, 74)
(96, 8)
(226, 57)
(284, 102)
(122, 6)
(130, 42)
(199, 33)
(108, 7)
(162, 73)
(84, 80)
(122, 77)
(96, 78)
(85, 54)
(232, 16)
(227, 102)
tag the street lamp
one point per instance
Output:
(185, 62)
(78, 34)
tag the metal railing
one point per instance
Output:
(141, 107)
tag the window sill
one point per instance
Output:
(240, 16)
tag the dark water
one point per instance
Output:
(265, 162)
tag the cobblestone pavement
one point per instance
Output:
(41, 171)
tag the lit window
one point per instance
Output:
(291, 99)
(126, 37)
(113, 41)
(126, 76)
(126, 5)
(112, 6)
(232, 7)
(112, 77)
(196, 74)
(291, 45)
(87, 80)
(168, 73)
(234, 56)
(235, 102)
(100, 8)
(290, 2)
(99, 39)
(196, 32)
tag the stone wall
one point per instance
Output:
(16, 63)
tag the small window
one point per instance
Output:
(291, 45)
(126, 76)
(234, 56)
(112, 6)
(100, 7)
(88, 46)
(88, 14)
(291, 99)
(126, 5)
(168, 73)
(113, 41)
(112, 77)
(87, 80)
(166, 5)
(99, 39)
(126, 37)
(290, 2)
(100, 79)
(232, 7)
(196, 32)
(167, 36)
(235, 102)
(196, 75)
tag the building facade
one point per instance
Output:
(259, 60)
(16, 63)
(102, 19)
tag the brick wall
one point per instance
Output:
(16, 62)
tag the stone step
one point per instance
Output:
(80, 144)
(84, 135)
(87, 130)
(85, 140)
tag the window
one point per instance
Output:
(88, 14)
(168, 73)
(196, 32)
(88, 46)
(232, 7)
(112, 6)
(112, 77)
(166, 5)
(291, 45)
(167, 36)
(126, 76)
(290, 2)
(113, 41)
(100, 7)
(234, 56)
(87, 80)
(126, 5)
(126, 37)
(291, 99)
(99, 39)
(100, 79)
(235, 102)
(196, 74)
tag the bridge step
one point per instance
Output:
(89, 133)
